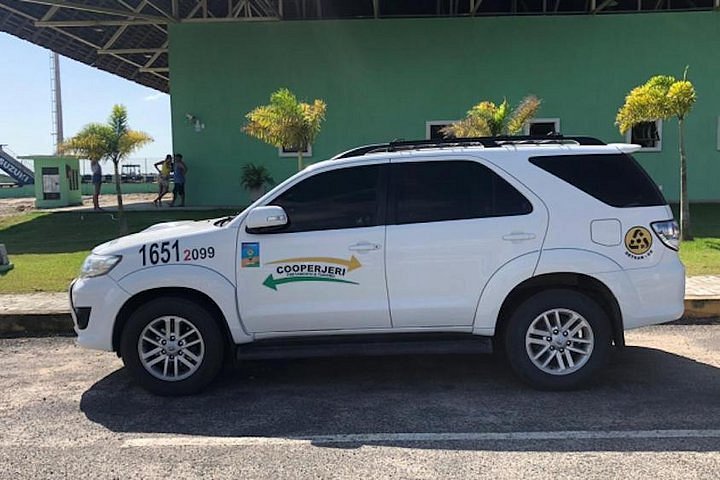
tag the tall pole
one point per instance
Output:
(58, 102)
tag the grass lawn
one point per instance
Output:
(702, 255)
(47, 249)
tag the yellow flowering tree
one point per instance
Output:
(661, 98)
(488, 119)
(286, 122)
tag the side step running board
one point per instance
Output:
(365, 345)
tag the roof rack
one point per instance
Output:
(487, 142)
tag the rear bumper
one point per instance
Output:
(649, 296)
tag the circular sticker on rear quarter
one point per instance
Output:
(638, 241)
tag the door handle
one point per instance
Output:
(518, 236)
(364, 247)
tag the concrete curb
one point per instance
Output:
(698, 311)
(35, 325)
(698, 308)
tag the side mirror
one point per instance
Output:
(265, 219)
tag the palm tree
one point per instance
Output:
(487, 119)
(661, 98)
(114, 141)
(286, 122)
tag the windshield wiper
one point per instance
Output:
(224, 220)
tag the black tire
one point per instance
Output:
(531, 309)
(184, 310)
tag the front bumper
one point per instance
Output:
(95, 303)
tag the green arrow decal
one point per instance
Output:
(271, 282)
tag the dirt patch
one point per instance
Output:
(15, 206)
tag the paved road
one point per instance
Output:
(655, 413)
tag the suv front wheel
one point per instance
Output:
(558, 339)
(172, 346)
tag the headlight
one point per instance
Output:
(669, 233)
(96, 265)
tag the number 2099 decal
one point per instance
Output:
(167, 252)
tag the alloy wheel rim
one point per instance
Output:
(559, 341)
(171, 348)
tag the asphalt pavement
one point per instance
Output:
(653, 413)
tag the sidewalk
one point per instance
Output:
(702, 287)
(43, 313)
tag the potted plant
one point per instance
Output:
(255, 178)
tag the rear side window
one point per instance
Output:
(615, 179)
(452, 190)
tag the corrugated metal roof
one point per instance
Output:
(129, 37)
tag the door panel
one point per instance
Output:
(326, 270)
(455, 225)
(315, 281)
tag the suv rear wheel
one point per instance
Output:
(558, 339)
(172, 346)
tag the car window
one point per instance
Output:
(615, 179)
(452, 190)
(345, 198)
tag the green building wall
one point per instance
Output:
(383, 79)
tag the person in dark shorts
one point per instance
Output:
(179, 172)
(97, 183)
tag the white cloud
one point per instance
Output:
(156, 96)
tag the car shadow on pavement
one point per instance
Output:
(641, 389)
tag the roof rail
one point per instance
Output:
(552, 138)
(364, 150)
(487, 142)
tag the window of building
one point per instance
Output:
(542, 126)
(433, 127)
(292, 152)
(615, 179)
(345, 198)
(451, 190)
(646, 134)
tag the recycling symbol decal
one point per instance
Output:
(638, 242)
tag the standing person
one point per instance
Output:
(97, 183)
(164, 168)
(179, 171)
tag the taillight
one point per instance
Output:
(669, 232)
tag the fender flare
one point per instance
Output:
(521, 269)
(499, 286)
(576, 260)
(192, 277)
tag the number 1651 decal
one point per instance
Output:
(166, 252)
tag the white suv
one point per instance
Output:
(550, 248)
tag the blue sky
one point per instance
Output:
(88, 95)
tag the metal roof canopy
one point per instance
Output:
(130, 37)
